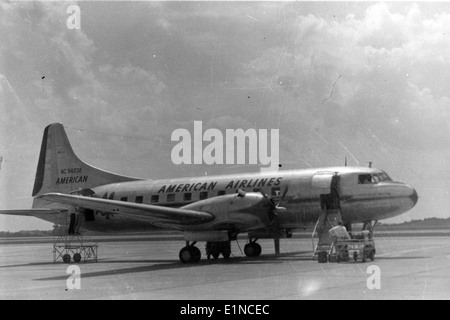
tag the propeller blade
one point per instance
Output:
(284, 195)
(275, 208)
(269, 201)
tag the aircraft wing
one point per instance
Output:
(32, 212)
(157, 215)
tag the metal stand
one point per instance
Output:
(68, 248)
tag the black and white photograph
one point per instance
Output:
(224, 154)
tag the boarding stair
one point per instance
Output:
(330, 215)
(321, 239)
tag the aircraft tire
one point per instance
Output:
(258, 249)
(249, 250)
(66, 258)
(226, 253)
(226, 250)
(77, 257)
(196, 254)
(186, 255)
(252, 249)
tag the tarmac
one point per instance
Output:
(148, 268)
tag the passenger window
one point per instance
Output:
(171, 197)
(154, 199)
(221, 193)
(187, 196)
(203, 195)
(256, 190)
(139, 199)
(125, 199)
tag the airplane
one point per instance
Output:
(214, 209)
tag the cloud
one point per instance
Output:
(367, 79)
(51, 74)
(379, 81)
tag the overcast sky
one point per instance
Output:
(365, 80)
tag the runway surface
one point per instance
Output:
(410, 268)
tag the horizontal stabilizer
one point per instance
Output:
(32, 212)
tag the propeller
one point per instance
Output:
(275, 208)
(273, 216)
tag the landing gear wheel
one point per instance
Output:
(66, 258)
(185, 255)
(77, 257)
(226, 250)
(190, 254)
(355, 256)
(252, 249)
(258, 249)
(249, 250)
(197, 254)
(216, 248)
(216, 255)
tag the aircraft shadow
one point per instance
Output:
(32, 264)
(176, 264)
(159, 264)
(400, 258)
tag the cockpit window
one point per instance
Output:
(373, 178)
(384, 177)
(364, 179)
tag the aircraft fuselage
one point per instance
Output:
(360, 201)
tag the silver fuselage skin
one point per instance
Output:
(359, 202)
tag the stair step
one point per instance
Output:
(325, 222)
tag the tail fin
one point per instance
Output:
(60, 170)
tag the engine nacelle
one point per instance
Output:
(230, 206)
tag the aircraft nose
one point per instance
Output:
(414, 196)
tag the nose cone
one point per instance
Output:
(414, 196)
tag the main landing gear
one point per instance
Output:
(252, 249)
(190, 253)
(216, 248)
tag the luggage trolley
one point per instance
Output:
(360, 247)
